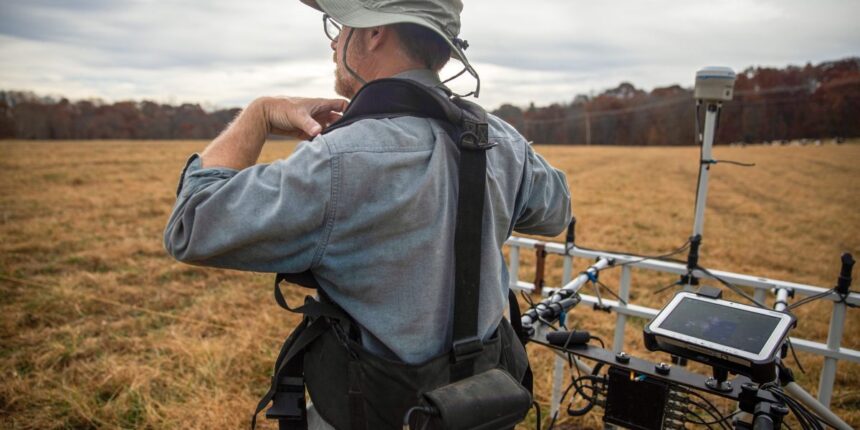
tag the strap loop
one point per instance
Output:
(475, 136)
(467, 348)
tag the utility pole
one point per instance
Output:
(587, 127)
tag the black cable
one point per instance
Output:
(570, 363)
(794, 354)
(814, 420)
(666, 287)
(575, 383)
(570, 411)
(711, 409)
(593, 387)
(552, 421)
(699, 137)
(726, 418)
(737, 163)
(533, 306)
(537, 415)
(550, 346)
(806, 418)
(814, 297)
(602, 345)
(425, 409)
(592, 398)
(698, 420)
(811, 298)
(642, 258)
(528, 299)
(609, 290)
(700, 142)
(731, 286)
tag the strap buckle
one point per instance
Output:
(289, 400)
(465, 349)
(475, 135)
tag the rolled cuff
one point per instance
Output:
(194, 175)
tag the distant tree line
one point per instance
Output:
(24, 115)
(810, 102)
(770, 104)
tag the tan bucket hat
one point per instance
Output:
(441, 16)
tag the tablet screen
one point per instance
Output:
(732, 327)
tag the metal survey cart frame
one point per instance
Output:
(832, 350)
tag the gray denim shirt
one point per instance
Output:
(370, 208)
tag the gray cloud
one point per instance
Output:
(150, 34)
(227, 52)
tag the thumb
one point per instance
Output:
(309, 125)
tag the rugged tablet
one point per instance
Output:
(739, 338)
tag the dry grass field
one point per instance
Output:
(99, 328)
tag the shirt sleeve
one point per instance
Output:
(546, 201)
(266, 218)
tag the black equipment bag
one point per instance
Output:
(353, 388)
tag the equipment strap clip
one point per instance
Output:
(287, 403)
(465, 349)
(475, 135)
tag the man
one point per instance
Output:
(369, 208)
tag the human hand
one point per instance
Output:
(300, 117)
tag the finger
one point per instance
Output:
(327, 105)
(328, 118)
(300, 117)
(295, 134)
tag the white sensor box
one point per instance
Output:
(714, 84)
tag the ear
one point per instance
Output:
(376, 37)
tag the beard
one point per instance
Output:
(344, 84)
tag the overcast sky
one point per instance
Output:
(226, 52)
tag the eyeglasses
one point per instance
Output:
(332, 29)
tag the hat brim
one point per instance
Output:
(352, 14)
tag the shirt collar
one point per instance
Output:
(422, 76)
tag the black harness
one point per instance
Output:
(355, 389)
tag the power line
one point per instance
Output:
(589, 115)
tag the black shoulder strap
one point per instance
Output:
(468, 234)
(393, 98)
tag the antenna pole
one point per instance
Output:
(714, 85)
(712, 109)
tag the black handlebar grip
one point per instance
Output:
(763, 422)
(844, 281)
(568, 338)
(570, 238)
